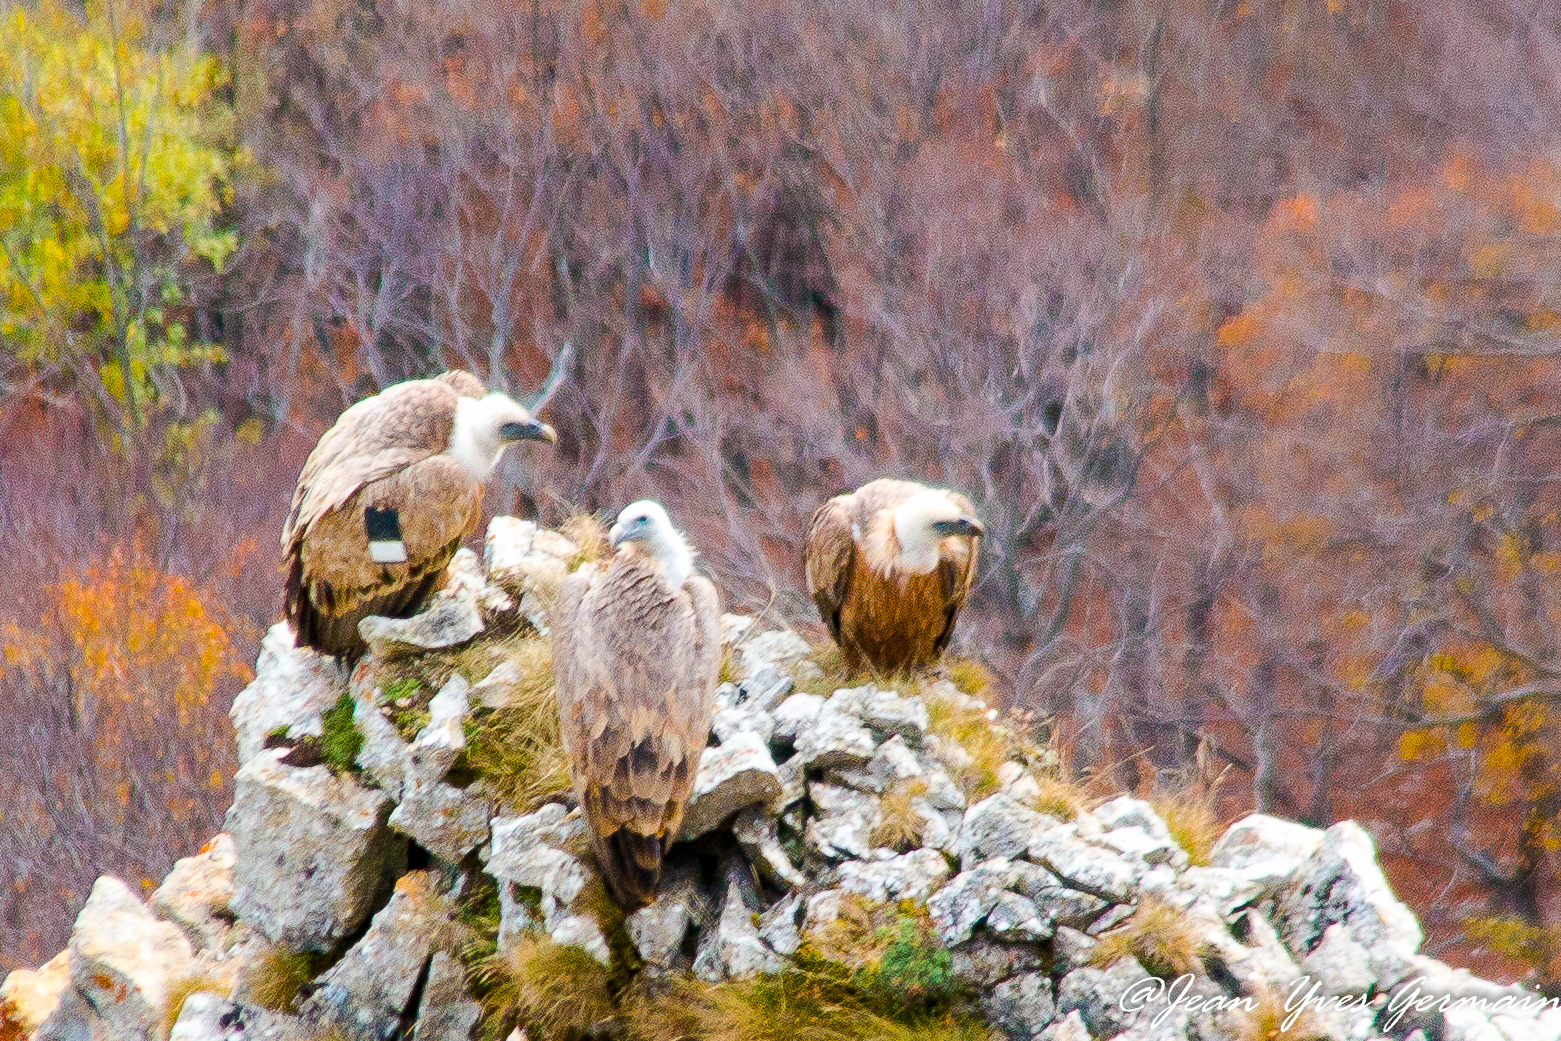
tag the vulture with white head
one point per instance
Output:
(889, 566)
(385, 500)
(636, 655)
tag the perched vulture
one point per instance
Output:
(386, 499)
(636, 653)
(889, 566)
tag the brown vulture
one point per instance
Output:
(889, 566)
(636, 654)
(385, 500)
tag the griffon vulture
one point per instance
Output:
(636, 653)
(386, 499)
(889, 566)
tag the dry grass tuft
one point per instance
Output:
(587, 532)
(728, 673)
(1268, 1018)
(180, 990)
(1163, 939)
(273, 979)
(969, 675)
(858, 936)
(1193, 823)
(832, 673)
(518, 750)
(970, 728)
(552, 991)
(1189, 805)
(800, 1005)
(899, 826)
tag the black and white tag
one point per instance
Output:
(384, 531)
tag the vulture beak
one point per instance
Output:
(963, 526)
(615, 535)
(529, 431)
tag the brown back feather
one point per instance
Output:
(635, 668)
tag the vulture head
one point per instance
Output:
(922, 522)
(646, 526)
(485, 426)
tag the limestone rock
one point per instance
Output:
(1096, 995)
(778, 925)
(833, 739)
(795, 715)
(960, 906)
(998, 826)
(383, 753)
(757, 836)
(1058, 902)
(658, 931)
(892, 762)
(311, 851)
(731, 775)
(292, 687)
(122, 963)
(526, 562)
(983, 962)
(447, 1013)
(195, 894)
(910, 876)
(447, 821)
(29, 996)
(1072, 948)
(1265, 850)
(441, 740)
(582, 931)
(732, 949)
(1342, 883)
(207, 1016)
(885, 712)
(844, 825)
(1083, 867)
(1134, 843)
(1015, 918)
(742, 719)
(446, 623)
(528, 851)
(370, 990)
(1021, 1007)
(1068, 1028)
(776, 649)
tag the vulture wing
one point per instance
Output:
(373, 439)
(384, 456)
(635, 668)
(826, 559)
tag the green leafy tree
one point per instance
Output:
(115, 165)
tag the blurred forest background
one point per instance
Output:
(1237, 318)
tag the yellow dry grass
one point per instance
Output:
(518, 749)
(551, 990)
(792, 1006)
(1162, 938)
(272, 980)
(899, 826)
(180, 990)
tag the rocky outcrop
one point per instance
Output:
(377, 881)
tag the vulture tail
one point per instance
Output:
(631, 865)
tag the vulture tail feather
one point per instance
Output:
(631, 866)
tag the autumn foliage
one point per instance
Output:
(1237, 321)
(116, 753)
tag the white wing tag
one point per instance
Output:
(387, 552)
